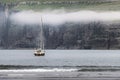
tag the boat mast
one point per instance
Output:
(41, 35)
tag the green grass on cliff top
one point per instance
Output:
(86, 5)
(8, 1)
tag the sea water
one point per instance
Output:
(62, 60)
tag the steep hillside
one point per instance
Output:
(64, 4)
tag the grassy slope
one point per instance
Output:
(86, 5)
(82, 6)
(8, 1)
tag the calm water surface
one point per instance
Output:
(61, 58)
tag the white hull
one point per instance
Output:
(39, 53)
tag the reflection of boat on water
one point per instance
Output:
(40, 50)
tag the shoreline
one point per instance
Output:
(60, 75)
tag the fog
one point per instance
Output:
(60, 17)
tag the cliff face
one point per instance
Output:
(94, 35)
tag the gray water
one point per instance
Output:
(61, 58)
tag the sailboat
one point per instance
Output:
(40, 50)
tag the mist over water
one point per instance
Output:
(60, 17)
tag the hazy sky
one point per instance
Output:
(59, 17)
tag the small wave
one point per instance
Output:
(40, 70)
(20, 68)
